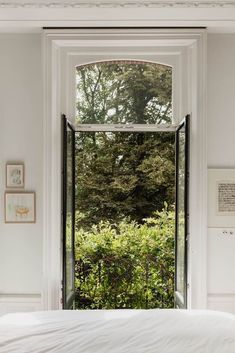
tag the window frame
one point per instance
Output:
(59, 49)
(121, 126)
(157, 55)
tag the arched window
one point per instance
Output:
(124, 92)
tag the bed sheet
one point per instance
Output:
(118, 331)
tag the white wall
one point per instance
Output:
(21, 112)
(21, 116)
(221, 154)
(221, 100)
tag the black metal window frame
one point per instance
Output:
(67, 301)
(181, 302)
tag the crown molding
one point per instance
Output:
(58, 4)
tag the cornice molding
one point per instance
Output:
(116, 4)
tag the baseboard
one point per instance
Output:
(19, 303)
(221, 302)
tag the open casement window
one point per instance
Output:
(130, 98)
(181, 213)
(68, 227)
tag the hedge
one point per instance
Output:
(126, 265)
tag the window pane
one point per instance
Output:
(180, 285)
(69, 225)
(120, 92)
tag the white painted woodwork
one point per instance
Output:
(63, 50)
(31, 15)
(11, 303)
(221, 302)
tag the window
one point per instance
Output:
(120, 92)
(124, 241)
(181, 49)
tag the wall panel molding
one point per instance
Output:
(10, 303)
(222, 302)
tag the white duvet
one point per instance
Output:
(118, 331)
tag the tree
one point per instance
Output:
(124, 92)
(123, 174)
(117, 176)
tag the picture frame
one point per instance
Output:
(20, 207)
(221, 198)
(15, 175)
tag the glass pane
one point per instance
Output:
(181, 215)
(124, 92)
(69, 225)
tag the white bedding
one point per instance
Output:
(118, 331)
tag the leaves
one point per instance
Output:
(123, 175)
(124, 92)
(126, 265)
(124, 247)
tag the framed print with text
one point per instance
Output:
(221, 197)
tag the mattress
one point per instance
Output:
(118, 331)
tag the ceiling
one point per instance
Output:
(32, 15)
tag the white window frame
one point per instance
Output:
(185, 51)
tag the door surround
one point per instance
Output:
(59, 49)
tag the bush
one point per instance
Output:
(126, 265)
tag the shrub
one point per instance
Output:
(126, 265)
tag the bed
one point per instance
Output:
(118, 331)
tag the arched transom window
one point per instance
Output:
(124, 92)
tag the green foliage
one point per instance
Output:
(124, 247)
(126, 265)
(123, 175)
(124, 92)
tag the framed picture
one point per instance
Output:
(221, 198)
(14, 175)
(20, 207)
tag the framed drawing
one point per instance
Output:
(221, 197)
(20, 207)
(14, 175)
